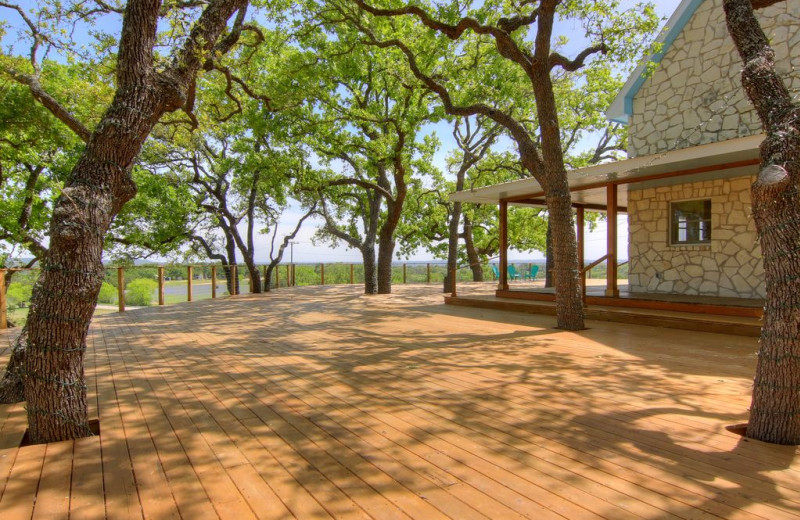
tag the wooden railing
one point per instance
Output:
(284, 275)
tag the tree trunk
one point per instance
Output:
(569, 303)
(268, 276)
(472, 252)
(11, 388)
(548, 257)
(97, 188)
(452, 243)
(370, 273)
(255, 276)
(775, 408)
(385, 257)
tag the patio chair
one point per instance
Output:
(512, 272)
(495, 272)
(531, 275)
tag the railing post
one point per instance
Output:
(213, 281)
(121, 288)
(352, 274)
(234, 280)
(161, 286)
(294, 275)
(429, 273)
(404, 273)
(322, 274)
(453, 282)
(288, 276)
(612, 289)
(278, 276)
(189, 274)
(266, 282)
(3, 303)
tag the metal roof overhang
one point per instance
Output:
(588, 185)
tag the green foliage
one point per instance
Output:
(139, 292)
(18, 294)
(108, 293)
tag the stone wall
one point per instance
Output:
(729, 266)
(695, 95)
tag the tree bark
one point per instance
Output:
(775, 408)
(548, 257)
(99, 185)
(452, 239)
(370, 272)
(472, 252)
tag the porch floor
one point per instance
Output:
(596, 288)
(322, 402)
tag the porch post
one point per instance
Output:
(579, 217)
(503, 285)
(611, 241)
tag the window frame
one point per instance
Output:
(673, 222)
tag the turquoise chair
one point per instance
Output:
(532, 274)
(495, 272)
(512, 272)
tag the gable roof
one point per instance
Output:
(622, 106)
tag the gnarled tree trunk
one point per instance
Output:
(99, 185)
(472, 252)
(775, 409)
(370, 272)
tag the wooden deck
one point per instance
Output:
(318, 403)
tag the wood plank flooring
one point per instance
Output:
(325, 403)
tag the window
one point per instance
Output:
(690, 222)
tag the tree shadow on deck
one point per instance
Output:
(348, 387)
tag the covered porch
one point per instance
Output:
(607, 188)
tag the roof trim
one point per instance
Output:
(626, 171)
(621, 108)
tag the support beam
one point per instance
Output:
(213, 281)
(161, 286)
(581, 222)
(611, 241)
(503, 285)
(189, 276)
(121, 289)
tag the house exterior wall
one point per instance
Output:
(730, 266)
(695, 95)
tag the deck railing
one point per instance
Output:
(135, 286)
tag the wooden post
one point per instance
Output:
(404, 273)
(503, 285)
(288, 276)
(611, 241)
(121, 288)
(429, 273)
(294, 275)
(3, 302)
(453, 273)
(213, 281)
(267, 283)
(322, 274)
(234, 280)
(161, 286)
(580, 218)
(278, 276)
(352, 274)
(189, 273)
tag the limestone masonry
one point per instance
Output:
(695, 95)
(729, 266)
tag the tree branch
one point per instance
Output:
(49, 102)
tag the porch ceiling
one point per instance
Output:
(589, 184)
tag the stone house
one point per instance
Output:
(693, 153)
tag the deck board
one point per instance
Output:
(322, 402)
